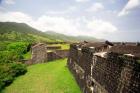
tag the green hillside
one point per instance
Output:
(11, 31)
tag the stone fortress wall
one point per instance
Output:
(105, 67)
(40, 54)
(57, 54)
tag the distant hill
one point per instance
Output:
(72, 38)
(12, 31)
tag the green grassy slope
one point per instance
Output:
(52, 77)
(11, 31)
(63, 46)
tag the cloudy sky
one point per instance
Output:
(115, 20)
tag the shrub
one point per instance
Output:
(10, 68)
(6, 56)
(1, 85)
(3, 45)
(19, 47)
(8, 71)
(18, 69)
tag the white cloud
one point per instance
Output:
(56, 12)
(2, 9)
(59, 24)
(131, 4)
(79, 26)
(66, 11)
(101, 28)
(96, 7)
(15, 17)
(82, 0)
(9, 2)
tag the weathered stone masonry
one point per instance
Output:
(40, 54)
(57, 54)
(98, 68)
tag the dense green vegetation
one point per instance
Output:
(52, 77)
(11, 53)
(8, 72)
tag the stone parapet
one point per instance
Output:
(113, 73)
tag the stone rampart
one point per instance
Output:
(58, 54)
(40, 54)
(110, 72)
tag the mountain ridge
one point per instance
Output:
(73, 38)
(22, 31)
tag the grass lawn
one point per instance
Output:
(27, 55)
(52, 77)
(63, 46)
